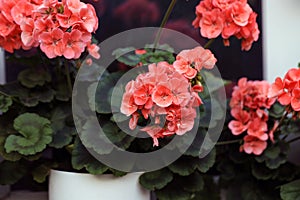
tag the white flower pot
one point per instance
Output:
(77, 186)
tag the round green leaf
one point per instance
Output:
(5, 103)
(35, 133)
(33, 77)
(156, 179)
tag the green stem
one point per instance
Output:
(228, 142)
(4, 94)
(163, 23)
(67, 71)
(207, 45)
(293, 140)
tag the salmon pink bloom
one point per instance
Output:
(162, 96)
(93, 50)
(67, 19)
(240, 13)
(6, 26)
(88, 17)
(253, 145)
(272, 131)
(27, 34)
(21, 11)
(211, 24)
(295, 103)
(258, 128)
(74, 5)
(73, 46)
(51, 43)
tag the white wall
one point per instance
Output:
(281, 36)
(2, 67)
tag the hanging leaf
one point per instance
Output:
(11, 172)
(207, 162)
(35, 133)
(82, 159)
(277, 110)
(41, 172)
(180, 166)
(5, 103)
(156, 179)
(290, 191)
(33, 77)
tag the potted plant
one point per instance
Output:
(72, 113)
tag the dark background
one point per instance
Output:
(114, 18)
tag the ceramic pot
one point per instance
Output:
(78, 186)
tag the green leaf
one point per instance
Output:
(92, 138)
(62, 92)
(5, 103)
(193, 183)
(180, 166)
(81, 159)
(157, 56)
(290, 191)
(35, 134)
(276, 110)
(127, 56)
(31, 98)
(261, 172)
(207, 162)
(33, 77)
(11, 172)
(62, 133)
(41, 172)
(156, 179)
(117, 173)
(13, 156)
(102, 98)
(173, 192)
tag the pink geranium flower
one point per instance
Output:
(211, 24)
(51, 43)
(162, 96)
(240, 13)
(295, 103)
(253, 145)
(73, 46)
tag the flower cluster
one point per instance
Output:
(287, 91)
(166, 96)
(60, 28)
(248, 107)
(227, 18)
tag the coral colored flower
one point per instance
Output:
(162, 96)
(6, 27)
(73, 46)
(240, 13)
(295, 103)
(93, 50)
(128, 107)
(211, 24)
(27, 34)
(189, 62)
(74, 5)
(258, 128)
(287, 90)
(51, 43)
(253, 145)
(88, 17)
(21, 11)
(140, 51)
(67, 19)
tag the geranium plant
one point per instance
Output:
(169, 97)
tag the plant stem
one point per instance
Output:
(228, 142)
(4, 94)
(163, 23)
(209, 43)
(67, 71)
(294, 140)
